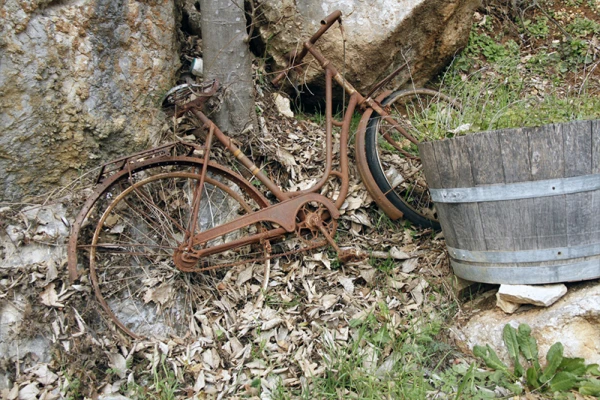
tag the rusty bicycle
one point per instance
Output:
(158, 217)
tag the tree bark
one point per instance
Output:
(227, 58)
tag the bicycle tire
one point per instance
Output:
(396, 175)
(138, 222)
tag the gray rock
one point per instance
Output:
(77, 85)
(506, 306)
(13, 343)
(574, 320)
(538, 295)
(381, 35)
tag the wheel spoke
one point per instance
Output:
(132, 265)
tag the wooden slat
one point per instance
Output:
(581, 222)
(595, 204)
(472, 237)
(524, 155)
(430, 166)
(446, 178)
(486, 164)
(595, 147)
(547, 162)
(429, 162)
(577, 136)
(520, 214)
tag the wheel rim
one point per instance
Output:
(131, 254)
(425, 115)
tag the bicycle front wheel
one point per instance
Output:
(394, 160)
(143, 222)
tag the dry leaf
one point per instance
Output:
(347, 283)
(285, 157)
(159, 295)
(245, 275)
(45, 376)
(118, 364)
(50, 297)
(328, 301)
(29, 392)
(368, 274)
(410, 265)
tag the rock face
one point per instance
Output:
(574, 321)
(79, 84)
(380, 34)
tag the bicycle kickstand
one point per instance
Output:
(345, 255)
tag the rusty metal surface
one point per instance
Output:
(311, 216)
(140, 166)
(363, 169)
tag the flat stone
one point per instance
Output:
(507, 306)
(574, 320)
(283, 105)
(540, 295)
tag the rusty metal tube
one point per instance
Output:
(198, 190)
(246, 162)
(297, 58)
(328, 139)
(344, 150)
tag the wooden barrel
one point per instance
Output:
(519, 206)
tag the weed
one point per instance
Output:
(583, 27)
(384, 265)
(163, 386)
(72, 389)
(560, 374)
(482, 44)
(539, 28)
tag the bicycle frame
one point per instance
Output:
(283, 214)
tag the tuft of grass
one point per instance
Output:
(382, 360)
(163, 384)
(500, 87)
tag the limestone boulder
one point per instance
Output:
(380, 35)
(574, 320)
(79, 85)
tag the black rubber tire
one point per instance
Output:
(411, 213)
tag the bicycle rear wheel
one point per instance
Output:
(426, 115)
(142, 221)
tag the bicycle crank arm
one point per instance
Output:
(282, 214)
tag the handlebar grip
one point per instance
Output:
(297, 59)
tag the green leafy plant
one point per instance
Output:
(560, 374)
(539, 28)
(488, 47)
(583, 26)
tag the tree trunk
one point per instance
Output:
(227, 58)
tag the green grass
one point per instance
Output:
(163, 384)
(499, 85)
(380, 361)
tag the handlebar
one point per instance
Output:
(296, 59)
